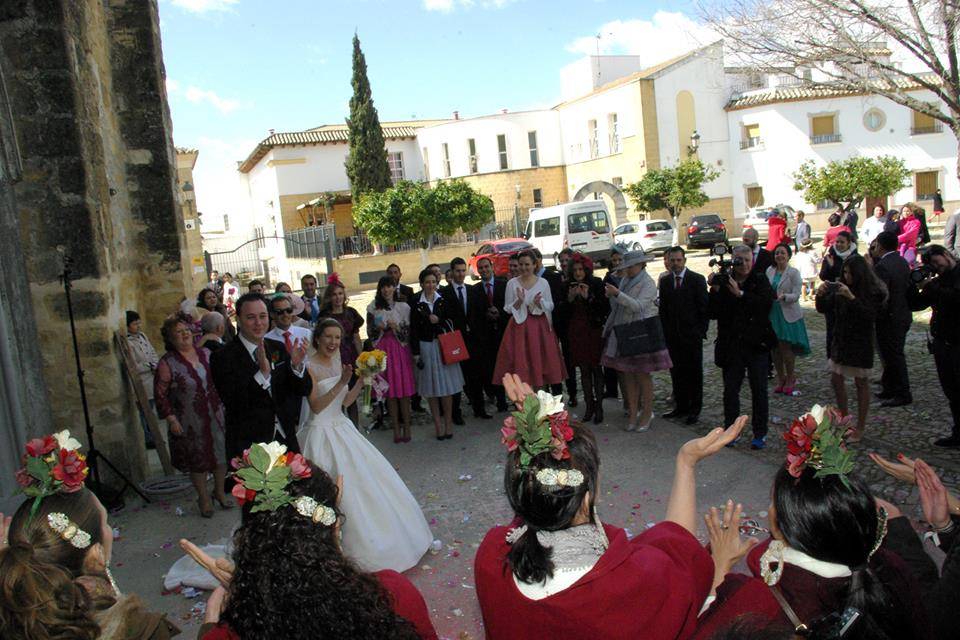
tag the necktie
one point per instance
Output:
(314, 310)
(286, 341)
(490, 293)
(463, 302)
(677, 284)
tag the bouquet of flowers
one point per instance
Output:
(817, 439)
(262, 474)
(369, 366)
(540, 424)
(51, 464)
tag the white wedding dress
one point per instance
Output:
(383, 526)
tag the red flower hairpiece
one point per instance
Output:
(540, 425)
(263, 474)
(51, 464)
(334, 278)
(816, 439)
(583, 259)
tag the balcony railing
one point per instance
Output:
(824, 139)
(751, 143)
(936, 127)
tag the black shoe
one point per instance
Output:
(692, 420)
(458, 420)
(449, 436)
(418, 408)
(598, 416)
(676, 413)
(883, 395)
(897, 401)
(952, 442)
(483, 415)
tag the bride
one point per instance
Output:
(384, 527)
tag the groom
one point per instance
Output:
(260, 383)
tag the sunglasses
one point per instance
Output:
(284, 311)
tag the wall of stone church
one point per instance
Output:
(86, 86)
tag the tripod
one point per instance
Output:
(110, 499)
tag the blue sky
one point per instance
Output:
(237, 68)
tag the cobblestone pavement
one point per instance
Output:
(458, 482)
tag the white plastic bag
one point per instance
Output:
(185, 572)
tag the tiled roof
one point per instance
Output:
(326, 134)
(815, 91)
(185, 150)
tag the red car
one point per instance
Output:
(499, 252)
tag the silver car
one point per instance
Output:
(649, 235)
(756, 218)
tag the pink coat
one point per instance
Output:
(909, 231)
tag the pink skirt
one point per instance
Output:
(531, 351)
(399, 373)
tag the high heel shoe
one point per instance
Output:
(225, 503)
(645, 427)
(204, 513)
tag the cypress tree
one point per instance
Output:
(366, 163)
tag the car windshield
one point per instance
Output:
(707, 219)
(506, 247)
(765, 214)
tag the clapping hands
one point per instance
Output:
(346, 372)
(516, 389)
(299, 354)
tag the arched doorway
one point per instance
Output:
(600, 186)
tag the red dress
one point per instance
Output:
(809, 595)
(776, 232)
(650, 587)
(529, 347)
(406, 600)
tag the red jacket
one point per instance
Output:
(809, 595)
(407, 603)
(651, 587)
(776, 232)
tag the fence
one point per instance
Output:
(250, 259)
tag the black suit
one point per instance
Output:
(762, 259)
(683, 313)
(491, 336)
(251, 410)
(472, 324)
(406, 292)
(893, 323)
(558, 291)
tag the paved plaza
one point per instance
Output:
(459, 482)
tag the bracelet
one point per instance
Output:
(948, 528)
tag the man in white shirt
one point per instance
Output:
(282, 313)
(873, 226)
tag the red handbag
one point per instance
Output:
(452, 347)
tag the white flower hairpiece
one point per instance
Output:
(556, 478)
(549, 404)
(65, 441)
(275, 450)
(69, 531)
(316, 511)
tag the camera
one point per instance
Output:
(921, 273)
(722, 275)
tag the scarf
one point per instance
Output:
(843, 255)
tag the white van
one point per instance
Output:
(582, 226)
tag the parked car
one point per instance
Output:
(756, 218)
(649, 235)
(705, 230)
(581, 226)
(499, 252)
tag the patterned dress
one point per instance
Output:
(188, 393)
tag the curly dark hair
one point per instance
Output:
(292, 579)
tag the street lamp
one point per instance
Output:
(516, 212)
(694, 143)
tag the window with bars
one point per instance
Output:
(751, 136)
(823, 129)
(614, 128)
(534, 151)
(617, 181)
(426, 165)
(926, 184)
(226, 222)
(446, 160)
(502, 150)
(754, 196)
(923, 123)
(592, 139)
(472, 154)
(395, 162)
(538, 197)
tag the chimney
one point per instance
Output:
(456, 115)
(271, 131)
(503, 110)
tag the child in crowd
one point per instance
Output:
(805, 261)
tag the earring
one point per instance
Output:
(773, 554)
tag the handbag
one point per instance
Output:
(639, 337)
(453, 348)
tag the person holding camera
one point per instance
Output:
(740, 301)
(937, 285)
(893, 322)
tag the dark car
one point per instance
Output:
(499, 252)
(705, 231)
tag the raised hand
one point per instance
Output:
(262, 358)
(221, 568)
(299, 354)
(904, 470)
(516, 389)
(346, 372)
(933, 496)
(693, 451)
(726, 545)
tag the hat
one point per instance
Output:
(806, 243)
(631, 258)
(295, 301)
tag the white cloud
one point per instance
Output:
(667, 35)
(204, 6)
(224, 105)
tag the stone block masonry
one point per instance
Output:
(90, 119)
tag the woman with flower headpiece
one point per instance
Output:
(385, 528)
(584, 309)
(335, 304)
(824, 566)
(55, 581)
(301, 584)
(556, 571)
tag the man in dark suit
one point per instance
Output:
(470, 318)
(311, 303)
(893, 323)
(494, 290)
(555, 280)
(405, 291)
(761, 257)
(262, 386)
(683, 313)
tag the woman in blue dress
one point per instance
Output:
(786, 316)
